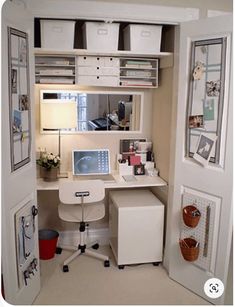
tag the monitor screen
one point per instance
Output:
(91, 162)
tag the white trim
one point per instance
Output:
(215, 13)
(132, 12)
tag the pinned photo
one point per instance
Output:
(213, 88)
(196, 121)
(23, 51)
(204, 148)
(209, 109)
(23, 103)
(198, 70)
(14, 81)
(17, 123)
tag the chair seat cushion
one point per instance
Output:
(73, 213)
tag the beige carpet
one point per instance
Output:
(89, 282)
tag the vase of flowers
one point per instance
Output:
(49, 166)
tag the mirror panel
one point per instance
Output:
(96, 111)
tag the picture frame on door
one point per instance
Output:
(19, 98)
(206, 94)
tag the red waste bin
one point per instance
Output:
(47, 243)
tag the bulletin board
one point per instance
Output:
(206, 95)
(19, 98)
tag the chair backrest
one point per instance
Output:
(70, 191)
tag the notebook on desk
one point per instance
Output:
(92, 164)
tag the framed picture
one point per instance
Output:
(206, 95)
(19, 98)
(129, 145)
(139, 169)
(204, 148)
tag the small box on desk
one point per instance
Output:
(125, 169)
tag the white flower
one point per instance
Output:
(50, 157)
(55, 160)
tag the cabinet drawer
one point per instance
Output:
(98, 61)
(98, 80)
(111, 62)
(101, 71)
(90, 61)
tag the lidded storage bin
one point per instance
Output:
(143, 38)
(100, 36)
(57, 34)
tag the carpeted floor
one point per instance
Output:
(88, 282)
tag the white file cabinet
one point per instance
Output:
(136, 219)
(98, 71)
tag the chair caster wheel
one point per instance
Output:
(95, 246)
(106, 263)
(65, 268)
(58, 250)
(156, 263)
(121, 267)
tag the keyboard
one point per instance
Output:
(106, 178)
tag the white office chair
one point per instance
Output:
(81, 201)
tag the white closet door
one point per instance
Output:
(19, 228)
(210, 188)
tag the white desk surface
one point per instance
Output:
(141, 181)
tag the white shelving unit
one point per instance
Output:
(64, 67)
(55, 69)
(138, 72)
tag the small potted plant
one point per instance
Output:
(49, 165)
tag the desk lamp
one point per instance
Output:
(57, 115)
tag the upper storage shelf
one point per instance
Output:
(69, 41)
(103, 38)
(85, 52)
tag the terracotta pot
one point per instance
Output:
(49, 175)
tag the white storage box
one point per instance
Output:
(143, 38)
(125, 169)
(100, 36)
(57, 34)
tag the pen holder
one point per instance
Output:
(125, 169)
(189, 249)
(191, 216)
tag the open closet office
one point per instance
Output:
(116, 152)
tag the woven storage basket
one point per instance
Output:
(189, 219)
(189, 249)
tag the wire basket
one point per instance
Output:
(189, 248)
(191, 216)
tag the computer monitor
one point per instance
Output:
(91, 162)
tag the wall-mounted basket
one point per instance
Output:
(191, 216)
(189, 248)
